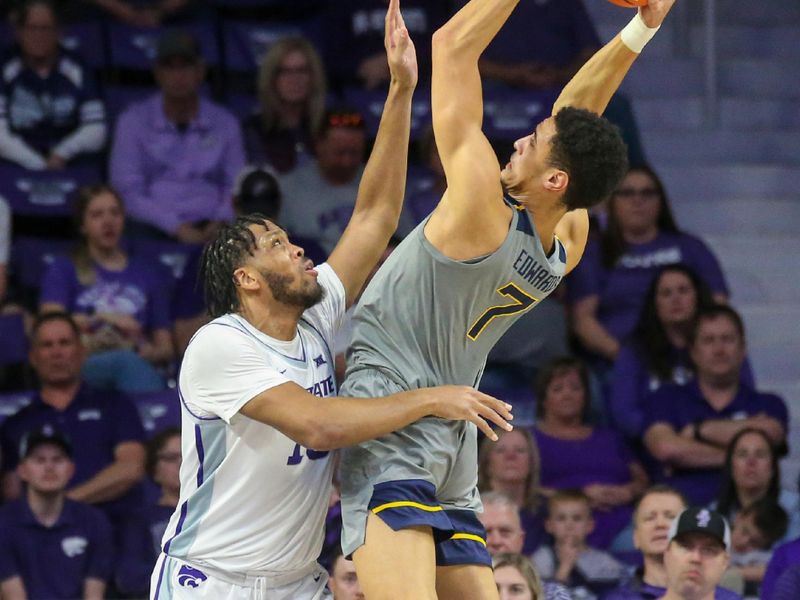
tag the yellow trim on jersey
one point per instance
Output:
(468, 536)
(406, 503)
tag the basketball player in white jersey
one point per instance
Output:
(260, 410)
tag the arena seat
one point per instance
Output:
(370, 104)
(31, 256)
(158, 410)
(173, 256)
(511, 115)
(134, 48)
(245, 42)
(44, 193)
(12, 402)
(14, 346)
(88, 41)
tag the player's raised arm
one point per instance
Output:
(468, 159)
(380, 193)
(594, 84)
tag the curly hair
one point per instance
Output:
(221, 257)
(591, 151)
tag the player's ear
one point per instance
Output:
(245, 279)
(556, 180)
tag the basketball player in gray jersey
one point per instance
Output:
(499, 241)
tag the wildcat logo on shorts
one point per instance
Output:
(190, 577)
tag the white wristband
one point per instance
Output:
(636, 34)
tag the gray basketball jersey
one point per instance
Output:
(428, 320)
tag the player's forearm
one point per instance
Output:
(109, 484)
(382, 187)
(467, 34)
(596, 82)
(341, 422)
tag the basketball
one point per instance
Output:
(629, 3)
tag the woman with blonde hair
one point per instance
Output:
(119, 303)
(511, 465)
(517, 579)
(291, 104)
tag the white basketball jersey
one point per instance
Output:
(251, 498)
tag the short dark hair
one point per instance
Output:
(568, 495)
(22, 11)
(154, 447)
(770, 519)
(715, 311)
(557, 367)
(221, 257)
(44, 318)
(659, 488)
(591, 151)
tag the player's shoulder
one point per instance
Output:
(218, 334)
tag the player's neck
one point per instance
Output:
(545, 215)
(275, 320)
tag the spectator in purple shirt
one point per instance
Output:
(511, 466)
(291, 102)
(607, 289)
(576, 454)
(141, 538)
(688, 428)
(120, 304)
(145, 14)
(50, 110)
(52, 547)
(109, 461)
(785, 558)
(787, 585)
(176, 154)
(657, 351)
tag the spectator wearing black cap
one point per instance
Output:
(52, 547)
(697, 555)
(176, 154)
(256, 190)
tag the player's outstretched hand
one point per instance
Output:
(399, 48)
(655, 11)
(462, 403)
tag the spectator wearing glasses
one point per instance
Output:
(141, 542)
(608, 288)
(291, 105)
(50, 110)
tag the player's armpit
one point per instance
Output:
(573, 231)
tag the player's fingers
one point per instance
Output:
(484, 427)
(489, 414)
(503, 408)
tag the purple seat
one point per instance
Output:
(44, 193)
(30, 258)
(172, 256)
(511, 115)
(158, 410)
(118, 98)
(12, 402)
(14, 345)
(87, 40)
(242, 105)
(370, 105)
(245, 43)
(135, 47)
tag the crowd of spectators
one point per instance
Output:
(634, 396)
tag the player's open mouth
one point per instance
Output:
(309, 268)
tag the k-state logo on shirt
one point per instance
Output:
(190, 577)
(74, 545)
(89, 415)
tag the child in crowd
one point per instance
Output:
(755, 531)
(585, 571)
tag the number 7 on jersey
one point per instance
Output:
(521, 301)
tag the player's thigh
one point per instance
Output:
(466, 582)
(396, 565)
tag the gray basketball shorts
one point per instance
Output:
(422, 474)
